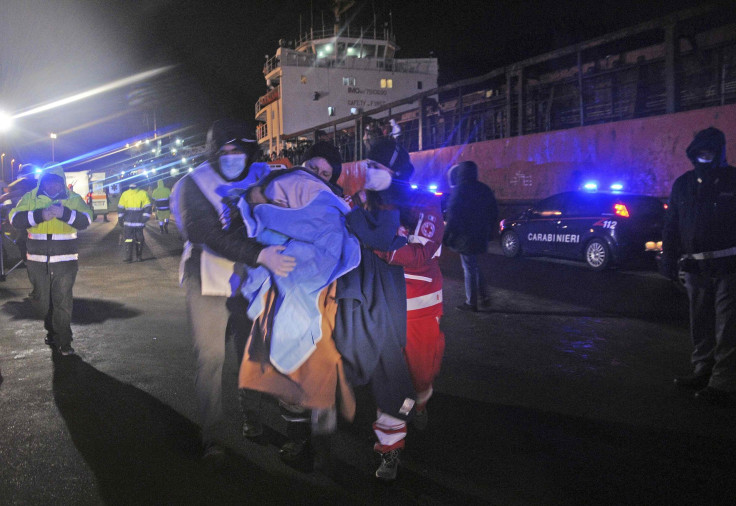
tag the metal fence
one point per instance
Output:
(681, 62)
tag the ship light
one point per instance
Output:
(591, 186)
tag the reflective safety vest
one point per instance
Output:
(54, 240)
(134, 208)
(161, 197)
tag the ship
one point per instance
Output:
(334, 73)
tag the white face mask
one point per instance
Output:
(377, 179)
(705, 159)
(232, 166)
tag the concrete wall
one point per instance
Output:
(645, 155)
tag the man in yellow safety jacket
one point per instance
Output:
(161, 200)
(52, 214)
(134, 210)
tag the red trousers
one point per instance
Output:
(425, 346)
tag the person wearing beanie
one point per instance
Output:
(421, 220)
(216, 258)
(700, 235)
(472, 221)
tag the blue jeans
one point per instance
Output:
(475, 283)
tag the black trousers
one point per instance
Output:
(713, 327)
(52, 296)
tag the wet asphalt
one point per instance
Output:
(561, 393)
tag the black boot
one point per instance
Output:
(128, 252)
(166, 227)
(250, 406)
(139, 252)
(298, 452)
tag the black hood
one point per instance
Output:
(710, 139)
(330, 153)
(463, 172)
(235, 132)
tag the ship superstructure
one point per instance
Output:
(335, 73)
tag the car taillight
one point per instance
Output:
(620, 210)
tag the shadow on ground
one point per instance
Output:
(143, 452)
(574, 460)
(85, 311)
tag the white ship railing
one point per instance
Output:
(290, 58)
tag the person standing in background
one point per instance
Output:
(472, 220)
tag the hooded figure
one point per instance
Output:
(52, 214)
(700, 232)
(216, 257)
(472, 219)
(472, 212)
(161, 200)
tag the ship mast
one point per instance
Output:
(338, 8)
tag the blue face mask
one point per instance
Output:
(232, 166)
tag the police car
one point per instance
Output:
(599, 228)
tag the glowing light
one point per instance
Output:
(620, 210)
(6, 121)
(183, 160)
(592, 185)
(617, 186)
(178, 142)
(414, 187)
(190, 169)
(439, 194)
(96, 91)
(433, 187)
(173, 172)
(38, 171)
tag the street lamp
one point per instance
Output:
(53, 138)
(11, 167)
(2, 158)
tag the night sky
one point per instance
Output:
(51, 50)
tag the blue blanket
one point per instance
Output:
(324, 249)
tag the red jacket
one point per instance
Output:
(420, 259)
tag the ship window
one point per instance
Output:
(369, 51)
(348, 81)
(379, 51)
(419, 85)
(330, 111)
(387, 83)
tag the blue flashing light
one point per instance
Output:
(617, 187)
(414, 187)
(433, 187)
(591, 186)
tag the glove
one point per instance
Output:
(53, 211)
(272, 259)
(58, 210)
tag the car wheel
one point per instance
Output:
(597, 255)
(510, 244)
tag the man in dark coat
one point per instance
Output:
(472, 220)
(700, 233)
